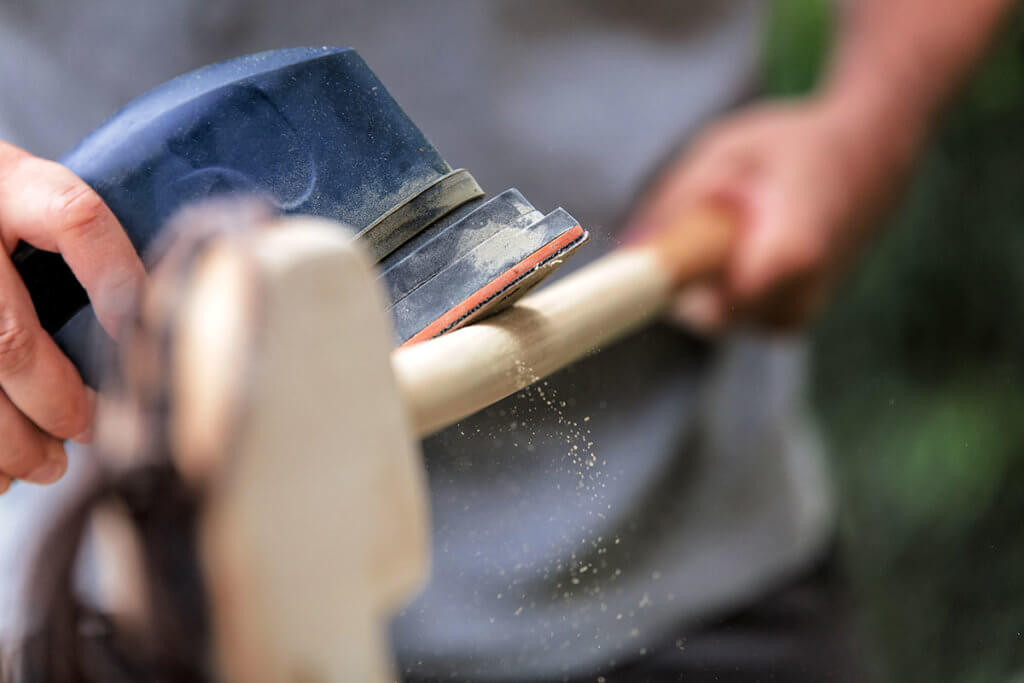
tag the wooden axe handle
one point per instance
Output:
(445, 379)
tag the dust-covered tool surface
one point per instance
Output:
(314, 132)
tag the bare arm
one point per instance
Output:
(809, 177)
(906, 56)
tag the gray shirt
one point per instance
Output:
(586, 520)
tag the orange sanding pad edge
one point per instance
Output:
(506, 288)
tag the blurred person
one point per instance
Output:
(699, 545)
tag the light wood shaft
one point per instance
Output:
(448, 378)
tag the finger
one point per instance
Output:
(34, 374)
(774, 277)
(27, 453)
(48, 206)
(700, 308)
(5, 484)
(782, 242)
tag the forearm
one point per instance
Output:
(897, 61)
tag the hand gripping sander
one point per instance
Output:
(313, 131)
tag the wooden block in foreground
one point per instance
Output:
(315, 529)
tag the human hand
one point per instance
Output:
(805, 180)
(42, 398)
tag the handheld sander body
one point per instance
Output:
(313, 131)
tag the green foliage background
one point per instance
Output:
(918, 369)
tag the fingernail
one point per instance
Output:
(47, 473)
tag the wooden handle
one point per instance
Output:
(448, 378)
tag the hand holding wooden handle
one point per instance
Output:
(448, 378)
(697, 247)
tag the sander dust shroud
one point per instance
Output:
(314, 131)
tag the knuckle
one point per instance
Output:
(79, 209)
(17, 342)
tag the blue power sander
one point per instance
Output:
(314, 132)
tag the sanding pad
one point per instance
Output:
(460, 272)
